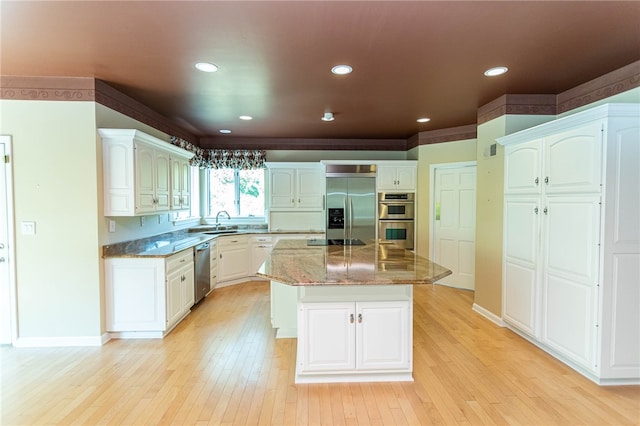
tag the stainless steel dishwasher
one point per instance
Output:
(202, 281)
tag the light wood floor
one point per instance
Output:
(222, 365)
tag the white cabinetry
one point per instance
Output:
(298, 186)
(147, 297)
(139, 173)
(296, 196)
(180, 183)
(392, 177)
(261, 246)
(367, 338)
(213, 263)
(234, 258)
(571, 230)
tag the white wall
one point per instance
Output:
(55, 186)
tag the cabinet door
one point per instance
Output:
(326, 336)
(383, 336)
(259, 252)
(521, 262)
(145, 178)
(386, 177)
(406, 178)
(174, 297)
(188, 287)
(522, 168)
(282, 188)
(233, 262)
(163, 180)
(571, 273)
(176, 183)
(185, 184)
(310, 188)
(573, 160)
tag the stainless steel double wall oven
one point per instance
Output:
(396, 220)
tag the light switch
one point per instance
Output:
(28, 228)
(112, 226)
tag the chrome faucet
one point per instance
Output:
(218, 216)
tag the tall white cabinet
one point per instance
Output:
(571, 264)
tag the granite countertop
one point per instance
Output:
(293, 262)
(170, 243)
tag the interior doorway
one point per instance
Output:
(7, 285)
(453, 222)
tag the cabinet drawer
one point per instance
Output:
(232, 241)
(267, 239)
(179, 260)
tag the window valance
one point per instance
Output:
(245, 159)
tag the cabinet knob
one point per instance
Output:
(359, 318)
(351, 318)
(536, 210)
(545, 211)
(537, 180)
(546, 180)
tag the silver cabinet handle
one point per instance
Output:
(1, 246)
(351, 319)
(546, 180)
(545, 211)
(537, 181)
(359, 318)
(2, 260)
(536, 210)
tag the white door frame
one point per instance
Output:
(9, 304)
(432, 191)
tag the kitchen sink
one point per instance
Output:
(222, 231)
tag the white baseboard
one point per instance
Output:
(50, 342)
(489, 315)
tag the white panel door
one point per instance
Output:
(326, 336)
(383, 336)
(163, 180)
(522, 168)
(6, 299)
(573, 161)
(310, 188)
(145, 178)
(282, 187)
(571, 246)
(455, 224)
(520, 270)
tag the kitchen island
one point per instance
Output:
(350, 307)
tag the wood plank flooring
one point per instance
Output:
(222, 365)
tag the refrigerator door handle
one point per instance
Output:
(350, 217)
(346, 219)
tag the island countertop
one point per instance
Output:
(295, 263)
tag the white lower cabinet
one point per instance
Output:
(233, 258)
(147, 297)
(353, 336)
(354, 341)
(260, 248)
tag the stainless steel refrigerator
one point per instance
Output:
(351, 202)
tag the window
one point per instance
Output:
(239, 192)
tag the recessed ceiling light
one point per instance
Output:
(492, 72)
(225, 131)
(423, 120)
(328, 116)
(341, 69)
(206, 67)
(245, 117)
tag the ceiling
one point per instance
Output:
(410, 59)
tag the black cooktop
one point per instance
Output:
(336, 242)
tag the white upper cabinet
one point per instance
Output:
(142, 174)
(397, 177)
(296, 186)
(522, 168)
